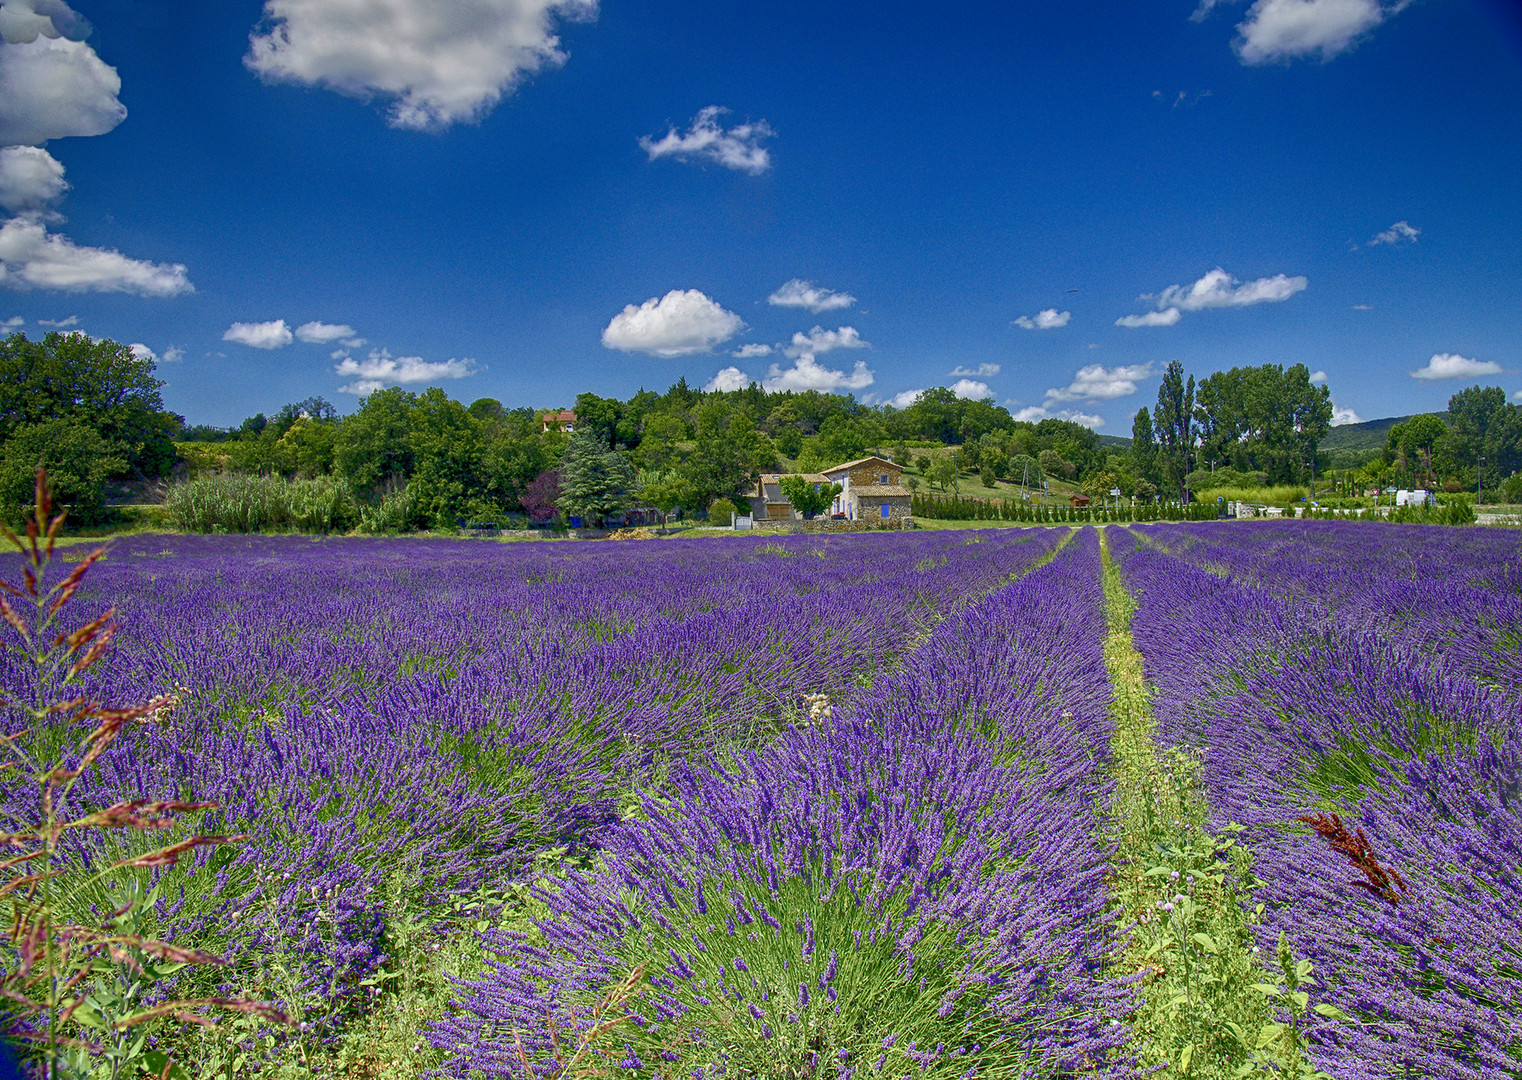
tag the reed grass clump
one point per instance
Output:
(237, 502)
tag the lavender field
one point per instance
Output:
(1038, 802)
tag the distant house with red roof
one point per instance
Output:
(564, 420)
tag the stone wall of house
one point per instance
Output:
(865, 475)
(835, 525)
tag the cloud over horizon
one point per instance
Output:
(33, 258)
(819, 340)
(808, 374)
(1150, 318)
(1033, 414)
(1049, 319)
(1095, 382)
(31, 179)
(737, 148)
(804, 294)
(260, 335)
(437, 64)
(677, 324)
(1454, 366)
(726, 380)
(380, 369)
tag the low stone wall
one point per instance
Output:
(833, 525)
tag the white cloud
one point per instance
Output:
(1318, 376)
(820, 340)
(1284, 29)
(381, 369)
(13, 322)
(31, 179)
(676, 324)
(1095, 382)
(807, 374)
(804, 294)
(1363, 307)
(260, 335)
(321, 333)
(1032, 414)
(59, 324)
(730, 378)
(172, 355)
(437, 63)
(737, 148)
(1220, 289)
(142, 352)
(971, 389)
(1454, 366)
(54, 88)
(905, 399)
(1050, 319)
(32, 258)
(1344, 416)
(1395, 234)
(1151, 318)
(745, 352)
(982, 371)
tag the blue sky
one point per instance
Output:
(522, 199)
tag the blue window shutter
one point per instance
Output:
(885, 509)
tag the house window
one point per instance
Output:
(883, 479)
(816, 489)
(885, 509)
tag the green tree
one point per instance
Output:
(944, 473)
(1482, 425)
(101, 385)
(1173, 425)
(1412, 445)
(1143, 446)
(78, 461)
(807, 496)
(594, 480)
(372, 447)
(1262, 419)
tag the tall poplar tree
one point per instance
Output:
(1173, 423)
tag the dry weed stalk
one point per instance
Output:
(53, 984)
(1382, 881)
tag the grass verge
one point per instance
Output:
(1210, 1007)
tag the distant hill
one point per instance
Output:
(1369, 435)
(1121, 441)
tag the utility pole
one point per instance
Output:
(1478, 490)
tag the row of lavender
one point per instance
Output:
(1342, 703)
(1451, 593)
(913, 885)
(389, 715)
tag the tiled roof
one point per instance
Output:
(872, 491)
(862, 461)
(813, 478)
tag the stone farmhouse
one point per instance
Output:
(871, 490)
(564, 420)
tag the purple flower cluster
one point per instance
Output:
(1319, 680)
(393, 714)
(916, 884)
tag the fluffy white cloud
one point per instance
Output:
(808, 374)
(438, 63)
(745, 352)
(1318, 376)
(820, 340)
(1454, 366)
(1284, 29)
(142, 352)
(1220, 289)
(260, 335)
(31, 179)
(172, 355)
(730, 378)
(33, 258)
(321, 333)
(1344, 416)
(905, 399)
(1151, 318)
(737, 148)
(805, 294)
(1035, 413)
(54, 88)
(971, 389)
(381, 369)
(982, 371)
(676, 324)
(1401, 231)
(1050, 319)
(13, 322)
(24, 21)
(1095, 382)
